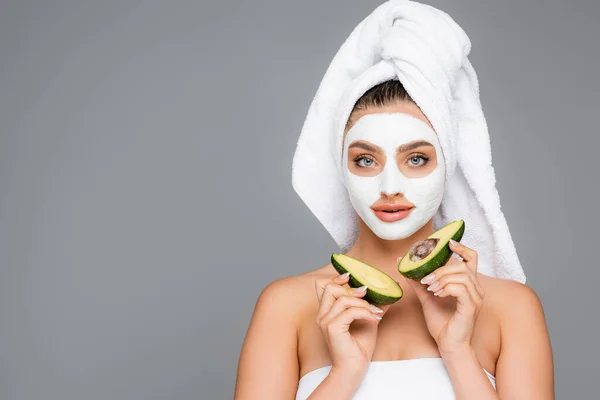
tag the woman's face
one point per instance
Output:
(393, 169)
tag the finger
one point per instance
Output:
(460, 278)
(454, 258)
(461, 287)
(342, 323)
(384, 309)
(345, 302)
(321, 283)
(456, 268)
(469, 255)
(464, 302)
(332, 292)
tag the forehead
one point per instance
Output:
(390, 129)
(404, 107)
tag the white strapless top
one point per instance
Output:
(417, 379)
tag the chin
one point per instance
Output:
(392, 235)
(394, 230)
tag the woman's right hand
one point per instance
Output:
(348, 323)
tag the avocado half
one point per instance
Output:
(381, 288)
(427, 255)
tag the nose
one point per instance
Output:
(392, 180)
(384, 194)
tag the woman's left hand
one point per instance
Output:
(451, 298)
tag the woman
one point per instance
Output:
(458, 333)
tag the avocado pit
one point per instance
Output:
(422, 248)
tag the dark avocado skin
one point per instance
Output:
(437, 261)
(371, 296)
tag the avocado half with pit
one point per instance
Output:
(427, 255)
(381, 288)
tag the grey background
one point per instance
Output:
(145, 163)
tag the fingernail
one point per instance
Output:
(433, 286)
(438, 292)
(344, 276)
(453, 242)
(428, 279)
(359, 290)
(377, 316)
(376, 309)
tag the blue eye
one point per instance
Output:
(418, 157)
(363, 161)
(366, 162)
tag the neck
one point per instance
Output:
(381, 253)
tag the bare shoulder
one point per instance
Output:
(296, 284)
(272, 338)
(291, 295)
(511, 300)
(524, 368)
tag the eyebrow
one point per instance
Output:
(402, 149)
(364, 146)
(411, 146)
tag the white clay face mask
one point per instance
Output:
(389, 131)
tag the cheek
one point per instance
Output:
(363, 190)
(430, 187)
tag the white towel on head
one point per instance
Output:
(427, 51)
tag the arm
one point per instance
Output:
(451, 304)
(468, 378)
(268, 365)
(340, 307)
(337, 386)
(525, 367)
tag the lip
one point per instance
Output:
(386, 216)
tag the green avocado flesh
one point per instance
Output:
(381, 288)
(427, 255)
